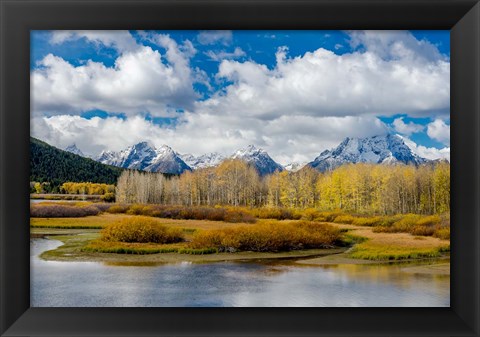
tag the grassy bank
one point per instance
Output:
(363, 242)
(74, 249)
(375, 245)
(437, 225)
(89, 222)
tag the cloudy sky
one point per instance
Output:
(293, 93)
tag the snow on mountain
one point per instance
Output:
(388, 149)
(137, 156)
(189, 159)
(259, 159)
(75, 150)
(106, 157)
(294, 167)
(144, 156)
(167, 161)
(203, 161)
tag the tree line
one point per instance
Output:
(359, 188)
(86, 188)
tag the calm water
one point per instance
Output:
(78, 284)
(35, 201)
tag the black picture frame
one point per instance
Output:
(18, 17)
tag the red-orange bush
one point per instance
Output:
(62, 211)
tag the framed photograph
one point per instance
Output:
(240, 168)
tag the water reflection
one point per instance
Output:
(36, 201)
(74, 284)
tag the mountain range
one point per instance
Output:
(203, 161)
(387, 149)
(384, 149)
(75, 150)
(144, 156)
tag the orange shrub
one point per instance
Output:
(268, 237)
(442, 233)
(141, 229)
(406, 223)
(137, 209)
(328, 216)
(117, 209)
(237, 215)
(310, 214)
(429, 221)
(422, 230)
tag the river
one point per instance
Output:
(229, 284)
(36, 201)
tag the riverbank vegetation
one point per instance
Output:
(66, 209)
(220, 238)
(271, 236)
(381, 212)
(416, 224)
(140, 230)
(381, 246)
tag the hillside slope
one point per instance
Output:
(49, 164)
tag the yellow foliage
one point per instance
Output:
(87, 188)
(268, 236)
(141, 229)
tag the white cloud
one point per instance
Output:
(322, 83)
(287, 139)
(119, 39)
(223, 55)
(407, 129)
(439, 131)
(294, 109)
(428, 152)
(395, 45)
(215, 36)
(142, 80)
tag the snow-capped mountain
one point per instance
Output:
(294, 167)
(167, 161)
(137, 156)
(203, 161)
(259, 158)
(75, 150)
(146, 157)
(387, 149)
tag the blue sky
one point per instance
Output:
(293, 93)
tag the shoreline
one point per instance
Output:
(69, 252)
(361, 237)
